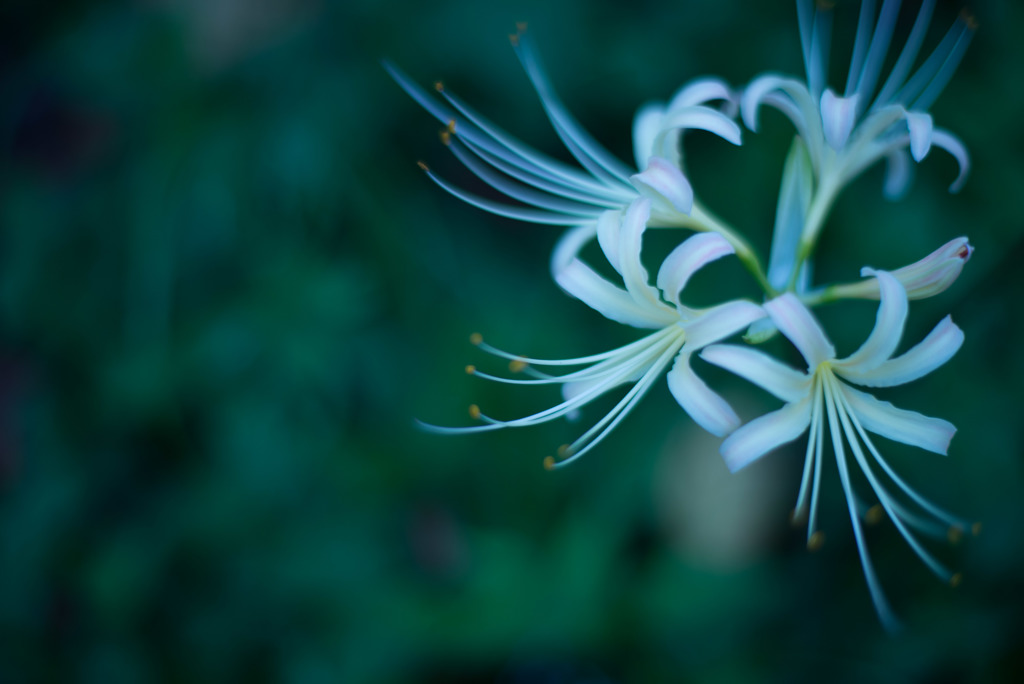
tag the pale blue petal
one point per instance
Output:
(838, 115)
(707, 408)
(764, 371)
(933, 351)
(717, 323)
(764, 434)
(885, 336)
(687, 259)
(797, 323)
(664, 181)
(899, 425)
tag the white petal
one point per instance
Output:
(752, 96)
(634, 275)
(569, 245)
(646, 127)
(707, 409)
(609, 225)
(687, 259)
(580, 281)
(764, 371)
(717, 323)
(663, 180)
(761, 435)
(885, 336)
(706, 119)
(908, 427)
(920, 126)
(941, 344)
(838, 115)
(797, 323)
(698, 92)
(950, 143)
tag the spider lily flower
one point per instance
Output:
(546, 191)
(823, 399)
(679, 332)
(921, 279)
(844, 134)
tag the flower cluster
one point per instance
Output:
(605, 200)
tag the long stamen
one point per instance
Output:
(931, 67)
(818, 68)
(846, 415)
(882, 607)
(877, 51)
(478, 340)
(907, 55)
(860, 44)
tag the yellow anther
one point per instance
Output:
(476, 339)
(520, 26)
(514, 39)
(451, 126)
(439, 86)
(563, 451)
(954, 534)
(826, 4)
(517, 365)
(474, 412)
(816, 540)
(874, 515)
(976, 529)
(446, 137)
(422, 165)
(797, 518)
(470, 369)
(549, 463)
(956, 579)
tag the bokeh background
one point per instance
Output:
(226, 291)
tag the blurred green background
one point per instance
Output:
(226, 291)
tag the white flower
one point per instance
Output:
(822, 397)
(846, 134)
(680, 331)
(547, 191)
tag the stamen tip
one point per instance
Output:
(816, 541)
(446, 137)
(976, 529)
(797, 518)
(549, 463)
(439, 86)
(476, 339)
(474, 412)
(956, 579)
(423, 166)
(874, 515)
(564, 451)
(955, 534)
(521, 26)
(517, 365)
(451, 126)
(967, 16)
(470, 369)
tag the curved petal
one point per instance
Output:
(663, 180)
(920, 126)
(705, 118)
(698, 92)
(764, 371)
(758, 90)
(797, 323)
(707, 408)
(761, 435)
(900, 425)
(634, 275)
(933, 351)
(838, 116)
(687, 259)
(582, 282)
(715, 324)
(646, 127)
(949, 142)
(609, 225)
(885, 336)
